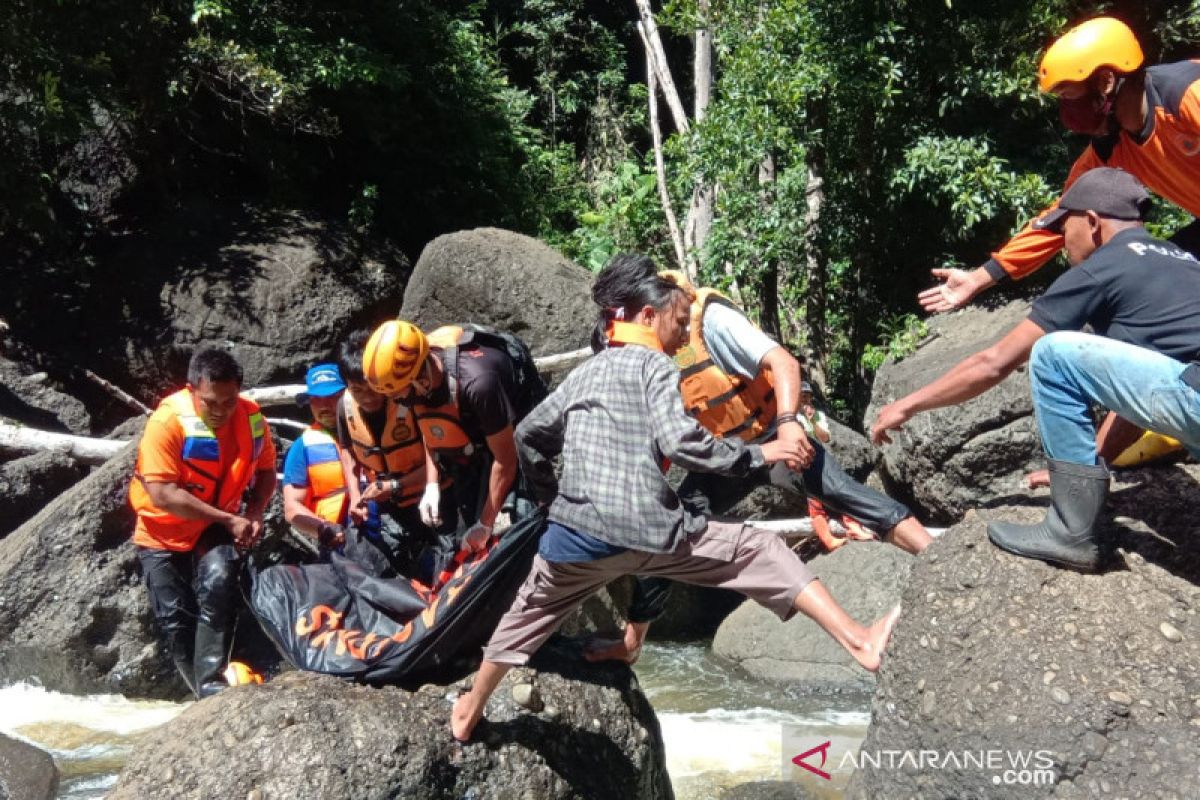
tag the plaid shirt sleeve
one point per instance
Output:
(683, 440)
(539, 439)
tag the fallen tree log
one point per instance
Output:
(81, 448)
(285, 395)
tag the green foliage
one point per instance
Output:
(901, 335)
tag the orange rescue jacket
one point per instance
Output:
(200, 459)
(1165, 156)
(727, 405)
(399, 452)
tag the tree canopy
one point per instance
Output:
(849, 146)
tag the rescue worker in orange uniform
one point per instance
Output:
(1145, 120)
(738, 382)
(468, 386)
(399, 504)
(203, 447)
(314, 485)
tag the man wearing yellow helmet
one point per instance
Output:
(1145, 120)
(468, 386)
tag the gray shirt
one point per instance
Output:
(735, 344)
(615, 420)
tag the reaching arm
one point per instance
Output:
(1022, 255)
(785, 375)
(504, 472)
(969, 378)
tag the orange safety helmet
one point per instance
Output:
(1099, 42)
(394, 354)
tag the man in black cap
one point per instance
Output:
(1141, 296)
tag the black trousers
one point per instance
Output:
(197, 584)
(394, 541)
(824, 480)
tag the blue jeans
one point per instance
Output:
(1070, 371)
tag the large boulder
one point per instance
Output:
(30, 396)
(27, 484)
(866, 578)
(26, 772)
(503, 279)
(1095, 677)
(279, 289)
(301, 735)
(74, 613)
(949, 460)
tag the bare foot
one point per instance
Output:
(855, 530)
(464, 717)
(610, 650)
(869, 652)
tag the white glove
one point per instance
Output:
(430, 505)
(477, 536)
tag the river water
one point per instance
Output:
(720, 728)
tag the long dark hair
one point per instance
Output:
(626, 285)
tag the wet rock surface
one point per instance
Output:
(314, 736)
(32, 397)
(949, 460)
(74, 611)
(866, 578)
(26, 772)
(27, 484)
(1101, 672)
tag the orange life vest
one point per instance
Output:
(201, 462)
(727, 405)
(441, 425)
(399, 453)
(326, 483)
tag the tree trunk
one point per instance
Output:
(768, 289)
(662, 70)
(701, 212)
(660, 167)
(81, 448)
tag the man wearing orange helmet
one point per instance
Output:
(1145, 120)
(468, 387)
(387, 472)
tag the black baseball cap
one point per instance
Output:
(1108, 191)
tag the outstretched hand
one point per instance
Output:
(891, 418)
(956, 289)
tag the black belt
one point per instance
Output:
(1191, 376)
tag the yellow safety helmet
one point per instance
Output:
(1099, 42)
(240, 674)
(394, 355)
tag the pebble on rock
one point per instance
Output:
(1170, 632)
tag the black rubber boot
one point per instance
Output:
(212, 648)
(180, 644)
(1067, 535)
(216, 591)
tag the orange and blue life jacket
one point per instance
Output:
(326, 483)
(200, 457)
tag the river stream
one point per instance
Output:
(720, 728)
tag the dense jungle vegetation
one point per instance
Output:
(823, 157)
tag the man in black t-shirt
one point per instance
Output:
(1141, 296)
(468, 387)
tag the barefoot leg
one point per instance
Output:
(468, 709)
(910, 536)
(865, 644)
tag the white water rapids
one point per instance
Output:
(720, 729)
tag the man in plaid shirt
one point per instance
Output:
(616, 421)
